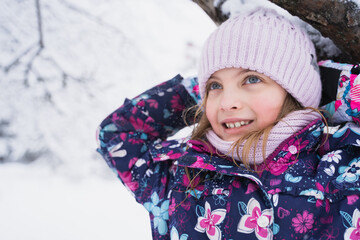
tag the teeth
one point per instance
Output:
(236, 124)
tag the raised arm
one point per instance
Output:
(127, 135)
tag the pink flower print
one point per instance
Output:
(327, 220)
(172, 206)
(153, 103)
(228, 225)
(274, 191)
(166, 156)
(352, 199)
(291, 149)
(343, 79)
(142, 126)
(353, 232)
(196, 89)
(133, 161)
(252, 187)
(330, 234)
(186, 205)
(236, 184)
(320, 201)
(256, 220)
(201, 147)
(200, 164)
(176, 103)
(123, 136)
(278, 167)
(195, 182)
(209, 223)
(182, 220)
(126, 177)
(303, 222)
(115, 117)
(354, 94)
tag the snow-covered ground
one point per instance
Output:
(36, 204)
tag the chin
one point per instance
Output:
(231, 139)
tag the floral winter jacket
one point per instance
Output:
(309, 189)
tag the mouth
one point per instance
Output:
(238, 124)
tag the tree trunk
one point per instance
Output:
(336, 19)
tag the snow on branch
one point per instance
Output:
(337, 20)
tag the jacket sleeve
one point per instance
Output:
(341, 92)
(127, 135)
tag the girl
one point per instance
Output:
(261, 162)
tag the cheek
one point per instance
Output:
(268, 108)
(210, 113)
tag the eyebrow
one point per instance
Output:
(237, 74)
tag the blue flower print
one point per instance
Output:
(219, 199)
(349, 173)
(161, 214)
(174, 235)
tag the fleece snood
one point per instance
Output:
(288, 126)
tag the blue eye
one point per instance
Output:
(214, 86)
(252, 80)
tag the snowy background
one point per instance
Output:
(55, 92)
(53, 184)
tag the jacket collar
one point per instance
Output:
(202, 155)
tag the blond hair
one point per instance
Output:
(251, 139)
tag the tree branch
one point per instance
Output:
(336, 19)
(213, 10)
(16, 61)
(39, 20)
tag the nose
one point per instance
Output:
(231, 100)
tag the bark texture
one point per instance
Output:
(338, 20)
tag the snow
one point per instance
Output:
(36, 204)
(357, 2)
(109, 50)
(97, 52)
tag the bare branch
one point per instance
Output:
(39, 19)
(65, 75)
(39, 45)
(214, 12)
(29, 66)
(88, 15)
(16, 61)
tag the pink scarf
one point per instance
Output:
(289, 125)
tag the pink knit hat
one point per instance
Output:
(265, 42)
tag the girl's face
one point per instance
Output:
(240, 101)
